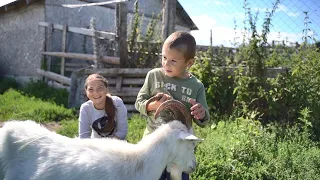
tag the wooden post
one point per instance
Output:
(96, 46)
(64, 41)
(121, 30)
(48, 45)
(168, 18)
(211, 37)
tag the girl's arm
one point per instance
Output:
(84, 125)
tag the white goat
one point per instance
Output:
(30, 151)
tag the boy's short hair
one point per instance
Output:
(184, 42)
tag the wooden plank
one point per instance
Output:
(54, 76)
(130, 107)
(129, 99)
(106, 59)
(93, 4)
(63, 49)
(83, 31)
(73, 64)
(127, 81)
(126, 91)
(119, 83)
(48, 45)
(71, 69)
(133, 72)
(54, 84)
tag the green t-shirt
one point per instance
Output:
(181, 89)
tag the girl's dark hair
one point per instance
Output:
(109, 107)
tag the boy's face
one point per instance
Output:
(174, 63)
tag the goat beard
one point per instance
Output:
(175, 172)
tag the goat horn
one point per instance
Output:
(178, 109)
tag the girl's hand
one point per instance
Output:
(158, 100)
(197, 110)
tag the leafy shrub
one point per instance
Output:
(7, 83)
(217, 82)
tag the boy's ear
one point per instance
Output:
(190, 62)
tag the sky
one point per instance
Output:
(226, 20)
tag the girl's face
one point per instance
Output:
(174, 63)
(96, 91)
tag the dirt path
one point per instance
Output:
(52, 126)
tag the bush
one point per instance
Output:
(7, 83)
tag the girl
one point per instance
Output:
(102, 115)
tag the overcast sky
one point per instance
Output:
(221, 16)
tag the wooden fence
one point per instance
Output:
(123, 82)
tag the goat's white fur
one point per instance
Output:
(30, 151)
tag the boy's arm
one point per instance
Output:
(201, 98)
(143, 96)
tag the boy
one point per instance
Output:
(173, 81)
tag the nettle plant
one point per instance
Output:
(280, 99)
(250, 82)
(218, 83)
(144, 47)
(248, 93)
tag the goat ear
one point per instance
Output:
(189, 137)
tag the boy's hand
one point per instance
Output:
(197, 110)
(159, 99)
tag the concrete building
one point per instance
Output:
(22, 39)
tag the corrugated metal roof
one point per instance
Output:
(185, 16)
(5, 2)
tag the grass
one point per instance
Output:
(232, 149)
(15, 105)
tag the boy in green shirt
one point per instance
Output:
(173, 81)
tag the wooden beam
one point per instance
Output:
(54, 84)
(83, 31)
(127, 81)
(130, 107)
(63, 49)
(106, 59)
(121, 29)
(49, 44)
(93, 4)
(54, 76)
(125, 91)
(132, 72)
(119, 83)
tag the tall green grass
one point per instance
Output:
(15, 105)
(243, 149)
